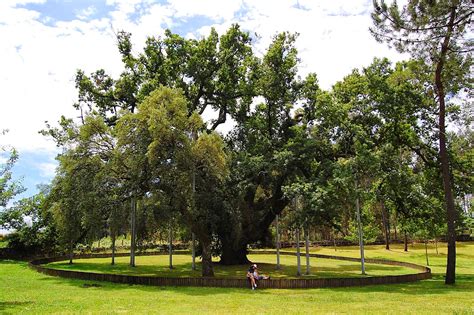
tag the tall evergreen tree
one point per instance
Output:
(437, 33)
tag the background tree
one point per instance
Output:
(435, 32)
(31, 224)
(8, 188)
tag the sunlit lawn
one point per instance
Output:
(24, 290)
(159, 266)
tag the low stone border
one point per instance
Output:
(425, 273)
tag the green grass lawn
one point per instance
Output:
(159, 266)
(24, 290)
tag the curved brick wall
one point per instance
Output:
(425, 273)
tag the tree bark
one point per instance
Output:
(207, 269)
(443, 154)
(234, 255)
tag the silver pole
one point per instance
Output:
(194, 251)
(132, 232)
(170, 248)
(361, 233)
(298, 257)
(306, 232)
(194, 136)
(277, 243)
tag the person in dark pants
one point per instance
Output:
(254, 276)
(250, 276)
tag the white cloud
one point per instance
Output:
(222, 9)
(333, 34)
(47, 169)
(39, 61)
(86, 13)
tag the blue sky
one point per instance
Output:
(45, 41)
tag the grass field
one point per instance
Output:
(159, 266)
(24, 290)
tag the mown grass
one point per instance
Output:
(159, 266)
(24, 290)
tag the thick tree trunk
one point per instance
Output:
(247, 227)
(207, 269)
(234, 255)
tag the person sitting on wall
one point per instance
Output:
(250, 276)
(254, 276)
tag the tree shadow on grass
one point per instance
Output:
(465, 283)
(337, 269)
(10, 306)
(435, 286)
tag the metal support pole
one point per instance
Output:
(361, 234)
(170, 248)
(132, 232)
(277, 243)
(306, 232)
(194, 251)
(298, 253)
(194, 137)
